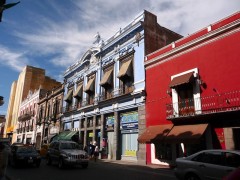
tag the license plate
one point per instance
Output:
(30, 161)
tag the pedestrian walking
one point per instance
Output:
(96, 153)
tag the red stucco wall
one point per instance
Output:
(218, 63)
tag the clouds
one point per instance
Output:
(14, 60)
(59, 32)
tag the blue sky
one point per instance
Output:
(53, 34)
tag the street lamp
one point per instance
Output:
(1, 100)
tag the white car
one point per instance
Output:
(207, 164)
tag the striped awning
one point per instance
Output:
(107, 78)
(125, 69)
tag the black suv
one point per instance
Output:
(66, 153)
(23, 154)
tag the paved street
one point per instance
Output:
(96, 170)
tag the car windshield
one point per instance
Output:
(69, 146)
(25, 149)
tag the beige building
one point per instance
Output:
(49, 115)
(31, 78)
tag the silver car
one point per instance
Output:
(207, 164)
(66, 153)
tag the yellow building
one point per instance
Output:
(31, 78)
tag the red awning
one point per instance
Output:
(183, 79)
(186, 133)
(153, 133)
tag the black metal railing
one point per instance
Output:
(25, 117)
(228, 101)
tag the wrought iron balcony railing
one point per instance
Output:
(25, 117)
(229, 101)
(122, 90)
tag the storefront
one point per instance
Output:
(129, 135)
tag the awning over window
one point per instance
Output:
(70, 135)
(183, 79)
(68, 97)
(78, 92)
(186, 133)
(125, 69)
(107, 78)
(153, 133)
(65, 135)
(60, 135)
(90, 86)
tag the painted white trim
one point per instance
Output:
(196, 92)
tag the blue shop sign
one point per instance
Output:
(129, 120)
(109, 123)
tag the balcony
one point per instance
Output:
(69, 108)
(215, 104)
(122, 90)
(24, 117)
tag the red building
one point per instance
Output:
(193, 93)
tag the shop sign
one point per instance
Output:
(110, 123)
(90, 134)
(129, 120)
(130, 153)
(129, 126)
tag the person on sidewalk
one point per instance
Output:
(96, 153)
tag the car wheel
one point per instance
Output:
(48, 160)
(84, 166)
(192, 177)
(61, 163)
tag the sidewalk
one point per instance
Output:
(135, 163)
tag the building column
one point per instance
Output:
(85, 132)
(102, 130)
(116, 143)
(94, 128)
(141, 153)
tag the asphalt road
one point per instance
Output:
(100, 170)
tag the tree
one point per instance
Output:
(4, 6)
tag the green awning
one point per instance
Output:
(61, 135)
(70, 135)
(65, 135)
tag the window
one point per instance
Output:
(232, 160)
(78, 94)
(90, 90)
(107, 83)
(185, 99)
(126, 75)
(75, 124)
(67, 125)
(185, 93)
(210, 158)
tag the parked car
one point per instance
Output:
(207, 164)
(66, 153)
(21, 154)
